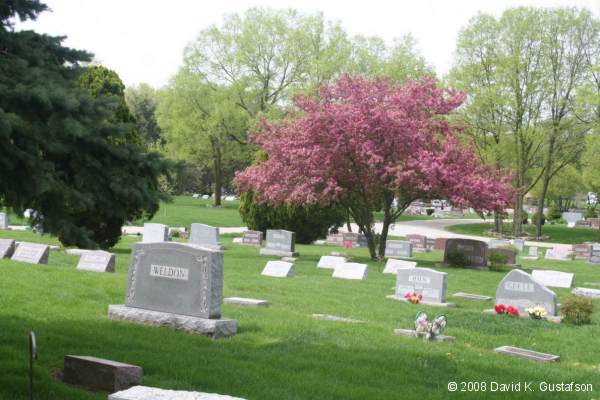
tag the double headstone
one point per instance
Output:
(336, 239)
(279, 243)
(7, 248)
(177, 285)
(595, 253)
(419, 242)
(398, 249)
(3, 220)
(475, 252)
(582, 251)
(393, 265)
(430, 284)
(205, 236)
(278, 269)
(252, 238)
(155, 233)
(522, 291)
(33, 253)
(353, 271)
(355, 239)
(561, 253)
(97, 261)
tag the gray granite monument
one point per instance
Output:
(474, 251)
(278, 269)
(353, 271)
(205, 236)
(419, 242)
(3, 221)
(430, 284)
(252, 238)
(595, 253)
(33, 253)
(279, 243)
(393, 265)
(7, 248)
(97, 261)
(355, 239)
(330, 262)
(522, 291)
(398, 249)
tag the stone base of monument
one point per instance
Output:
(446, 265)
(423, 302)
(550, 318)
(150, 393)
(241, 301)
(528, 354)
(100, 374)
(415, 334)
(279, 253)
(215, 328)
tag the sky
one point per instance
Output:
(143, 40)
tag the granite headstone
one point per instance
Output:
(419, 242)
(279, 243)
(393, 265)
(474, 251)
(595, 253)
(205, 236)
(252, 238)
(522, 291)
(430, 284)
(398, 249)
(7, 248)
(353, 271)
(155, 233)
(97, 261)
(3, 220)
(553, 278)
(278, 269)
(33, 253)
(330, 262)
(355, 239)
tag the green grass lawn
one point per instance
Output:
(557, 233)
(280, 352)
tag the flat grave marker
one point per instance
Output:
(242, 301)
(33, 253)
(99, 374)
(528, 354)
(393, 265)
(278, 269)
(97, 261)
(352, 271)
(7, 248)
(330, 262)
(553, 278)
(151, 393)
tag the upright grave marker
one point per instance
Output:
(497, 243)
(430, 284)
(33, 253)
(582, 251)
(155, 233)
(205, 235)
(398, 249)
(97, 261)
(7, 248)
(252, 238)
(510, 254)
(3, 221)
(176, 285)
(279, 243)
(595, 253)
(572, 218)
(474, 251)
(355, 239)
(440, 244)
(519, 244)
(532, 253)
(522, 291)
(419, 242)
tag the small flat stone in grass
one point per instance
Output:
(241, 301)
(587, 292)
(413, 333)
(100, 374)
(150, 393)
(289, 259)
(326, 317)
(528, 354)
(471, 296)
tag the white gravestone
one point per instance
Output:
(3, 221)
(278, 269)
(33, 253)
(572, 218)
(497, 243)
(430, 284)
(553, 278)
(354, 271)
(7, 248)
(155, 233)
(519, 244)
(532, 254)
(558, 253)
(330, 262)
(398, 249)
(393, 265)
(97, 261)
(205, 235)
(522, 291)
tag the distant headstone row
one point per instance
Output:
(279, 243)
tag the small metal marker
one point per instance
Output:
(32, 356)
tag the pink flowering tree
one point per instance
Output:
(363, 143)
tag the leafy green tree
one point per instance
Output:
(62, 152)
(142, 101)
(563, 188)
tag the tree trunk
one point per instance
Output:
(518, 215)
(218, 178)
(348, 223)
(541, 201)
(370, 235)
(497, 222)
(387, 221)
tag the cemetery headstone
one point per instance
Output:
(393, 265)
(354, 271)
(336, 239)
(510, 254)
(279, 243)
(151, 393)
(583, 224)
(7, 248)
(430, 243)
(398, 249)
(3, 221)
(419, 242)
(177, 285)
(572, 218)
(155, 233)
(519, 244)
(522, 291)
(252, 238)
(97, 261)
(356, 239)
(595, 253)
(586, 292)
(582, 251)
(430, 284)
(440, 244)
(474, 251)
(33, 253)
(528, 354)
(278, 269)
(100, 374)
(205, 235)
(553, 278)
(496, 243)
(532, 253)
(330, 262)
(561, 253)
(594, 222)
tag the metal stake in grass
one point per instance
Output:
(32, 356)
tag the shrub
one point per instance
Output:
(554, 213)
(429, 211)
(534, 219)
(591, 212)
(457, 259)
(497, 260)
(577, 310)
(308, 222)
(525, 217)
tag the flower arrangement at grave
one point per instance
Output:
(413, 298)
(429, 330)
(508, 310)
(347, 244)
(537, 312)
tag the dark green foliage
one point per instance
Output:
(62, 151)
(457, 259)
(309, 222)
(497, 260)
(577, 310)
(525, 217)
(591, 212)
(554, 213)
(534, 216)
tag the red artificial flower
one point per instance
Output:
(347, 244)
(500, 308)
(512, 311)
